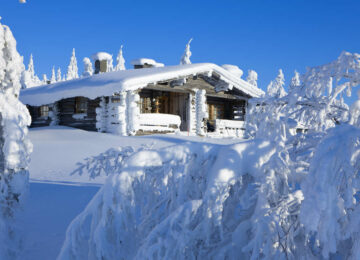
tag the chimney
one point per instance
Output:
(101, 61)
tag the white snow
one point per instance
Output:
(201, 111)
(15, 147)
(276, 87)
(120, 60)
(159, 122)
(56, 197)
(58, 149)
(107, 84)
(185, 58)
(72, 72)
(88, 69)
(233, 69)
(101, 56)
(143, 61)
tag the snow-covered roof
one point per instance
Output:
(109, 83)
(159, 65)
(101, 56)
(233, 69)
(143, 61)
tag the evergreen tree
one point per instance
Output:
(53, 78)
(31, 69)
(72, 72)
(295, 81)
(14, 144)
(45, 79)
(88, 69)
(28, 77)
(58, 76)
(110, 65)
(185, 59)
(252, 77)
(276, 87)
(120, 60)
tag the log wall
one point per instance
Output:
(36, 119)
(68, 117)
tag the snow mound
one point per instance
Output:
(143, 61)
(101, 56)
(233, 69)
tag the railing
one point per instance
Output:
(159, 122)
(232, 128)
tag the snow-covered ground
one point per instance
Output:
(56, 197)
(57, 150)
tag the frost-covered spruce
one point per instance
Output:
(252, 77)
(330, 212)
(120, 65)
(88, 69)
(316, 104)
(185, 59)
(28, 77)
(58, 75)
(295, 81)
(72, 72)
(53, 77)
(14, 144)
(45, 79)
(276, 87)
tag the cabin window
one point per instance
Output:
(239, 110)
(145, 105)
(44, 111)
(115, 99)
(216, 111)
(80, 105)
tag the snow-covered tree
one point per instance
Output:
(53, 77)
(72, 72)
(295, 81)
(185, 59)
(280, 195)
(31, 68)
(45, 79)
(58, 75)
(330, 212)
(252, 77)
(316, 105)
(14, 144)
(276, 87)
(120, 61)
(28, 77)
(88, 69)
(110, 65)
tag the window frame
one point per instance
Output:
(81, 105)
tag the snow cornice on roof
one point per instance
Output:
(107, 84)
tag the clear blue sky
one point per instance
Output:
(260, 35)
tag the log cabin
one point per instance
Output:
(200, 99)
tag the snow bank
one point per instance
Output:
(107, 84)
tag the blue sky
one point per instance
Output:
(259, 35)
